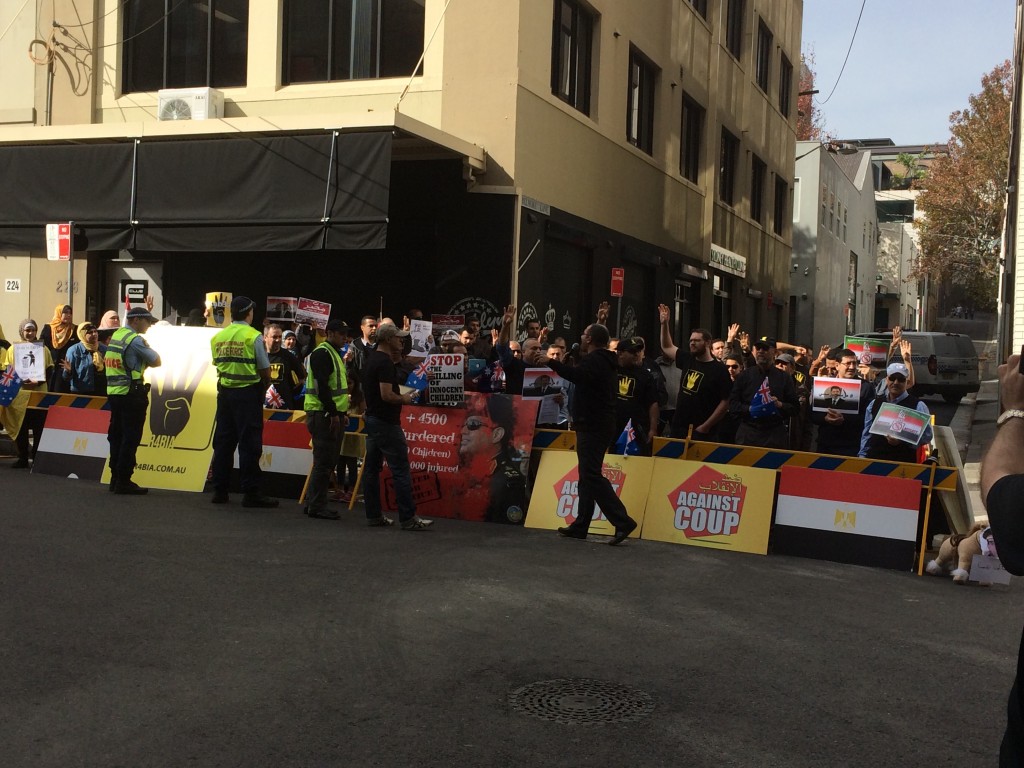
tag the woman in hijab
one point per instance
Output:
(17, 417)
(59, 336)
(83, 366)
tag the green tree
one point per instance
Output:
(964, 193)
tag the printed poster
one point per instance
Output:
(177, 442)
(282, 308)
(30, 360)
(313, 313)
(842, 395)
(446, 375)
(545, 385)
(218, 309)
(556, 491)
(442, 323)
(721, 506)
(868, 351)
(421, 334)
(899, 422)
(469, 462)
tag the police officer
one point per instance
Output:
(326, 405)
(243, 371)
(126, 359)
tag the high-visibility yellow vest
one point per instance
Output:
(338, 383)
(119, 378)
(234, 355)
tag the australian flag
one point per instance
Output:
(10, 385)
(762, 405)
(627, 444)
(418, 377)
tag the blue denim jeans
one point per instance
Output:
(386, 441)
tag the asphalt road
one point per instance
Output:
(168, 631)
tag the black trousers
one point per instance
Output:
(594, 487)
(326, 447)
(127, 420)
(239, 425)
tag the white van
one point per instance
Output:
(944, 363)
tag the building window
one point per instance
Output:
(640, 104)
(781, 202)
(185, 44)
(764, 56)
(692, 136)
(734, 27)
(785, 85)
(570, 54)
(824, 205)
(758, 174)
(326, 40)
(846, 213)
(727, 168)
(700, 6)
(832, 213)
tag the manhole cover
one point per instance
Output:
(577, 702)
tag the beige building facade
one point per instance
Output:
(456, 156)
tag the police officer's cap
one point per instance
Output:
(139, 312)
(241, 304)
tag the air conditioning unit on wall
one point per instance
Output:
(189, 104)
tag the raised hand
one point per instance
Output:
(508, 315)
(823, 352)
(734, 329)
(663, 313)
(603, 309)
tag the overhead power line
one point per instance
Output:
(843, 68)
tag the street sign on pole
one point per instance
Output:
(58, 241)
(618, 281)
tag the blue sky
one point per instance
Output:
(913, 62)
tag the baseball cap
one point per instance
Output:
(785, 357)
(388, 331)
(765, 342)
(139, 312)
(336, 326)
(633, 345)
(899, 368)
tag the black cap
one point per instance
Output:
(336, 326)
(241, 304)
(765, 341)
(633, 344)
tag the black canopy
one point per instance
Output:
(277, 193)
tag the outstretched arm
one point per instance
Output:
(668, 349)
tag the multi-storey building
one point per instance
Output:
(449, 155)
(832, 284)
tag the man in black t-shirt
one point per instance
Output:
(704, 383)
(636, 395)
(286, 371)
(384, 435)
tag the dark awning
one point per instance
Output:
(90, 184)
(298, 192)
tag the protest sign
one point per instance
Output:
(900, 423)
(312, 312)
(841, 395)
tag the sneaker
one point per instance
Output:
(323, 514)
(380, 522)
(417, 524)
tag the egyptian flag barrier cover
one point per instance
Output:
(847, 518)
(286, 459)
(74, 443)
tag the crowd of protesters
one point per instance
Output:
(738, 389)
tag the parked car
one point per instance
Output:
(944, 363)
